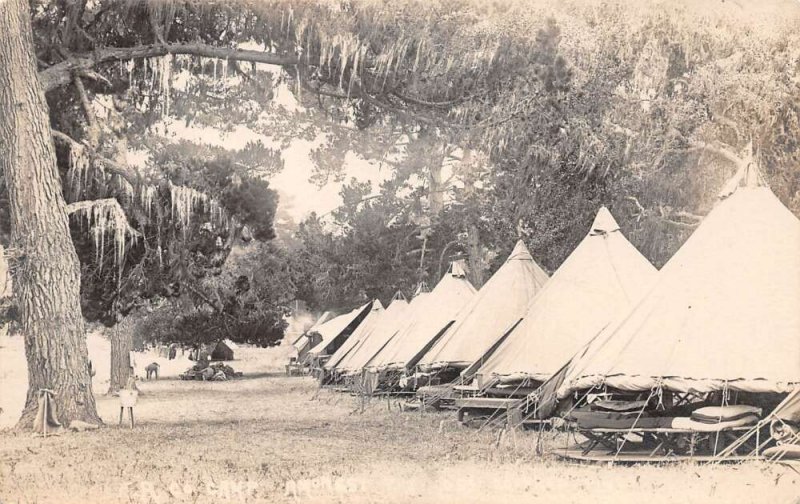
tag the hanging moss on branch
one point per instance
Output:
(79, 166)
(105, 218)
(185, 201)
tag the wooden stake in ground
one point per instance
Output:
(45, 267)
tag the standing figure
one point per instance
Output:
(152, 370)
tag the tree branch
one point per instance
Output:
(682, 225)
(635, 201)
(357, 91)
(238, 70)
(406, 114)
(687, 215)
(111, 203)
(718, 150)
(322, 92)
(74, 13)
(436, 104)
(84, 98)
(616, 128)
(85, 35)
(61, 73)
(156, 29)
(112, 166)
(208, 301)
(667, 215)
(92, 75)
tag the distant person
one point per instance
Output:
(207, 373)
(152, 370)
(173, 351)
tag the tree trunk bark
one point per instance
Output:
(121, 346)
(476, 262)
(121, 341)
(436, 193)
(46, 273)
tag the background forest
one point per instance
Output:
(488, 122)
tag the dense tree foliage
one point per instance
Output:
(496, 121)
(554, 110)
(247, 303)
(174, 249)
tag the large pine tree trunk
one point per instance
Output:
(121, 340)
(121, 346)
(46, 273)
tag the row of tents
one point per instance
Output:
(607, 342)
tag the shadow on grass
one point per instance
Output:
(170, 390)
(247, 376)
(240, 425)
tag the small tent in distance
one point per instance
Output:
(303, 343)
(219, 351)
(336, 331)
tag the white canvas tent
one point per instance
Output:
(387, 326)
(723, 313)
(500, 303)
(364, 328)
(603, 276)
(432, 316)
(333, 330)
(398, 315)
(302, 341)
(325, 317)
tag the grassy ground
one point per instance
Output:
(269, 438)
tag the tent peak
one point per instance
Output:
(457, 269)
(520, 253)
(748, 175)
(604, 222)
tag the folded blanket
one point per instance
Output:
(716, 414)
(690, 424)
(784, 452)
(609, 405)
